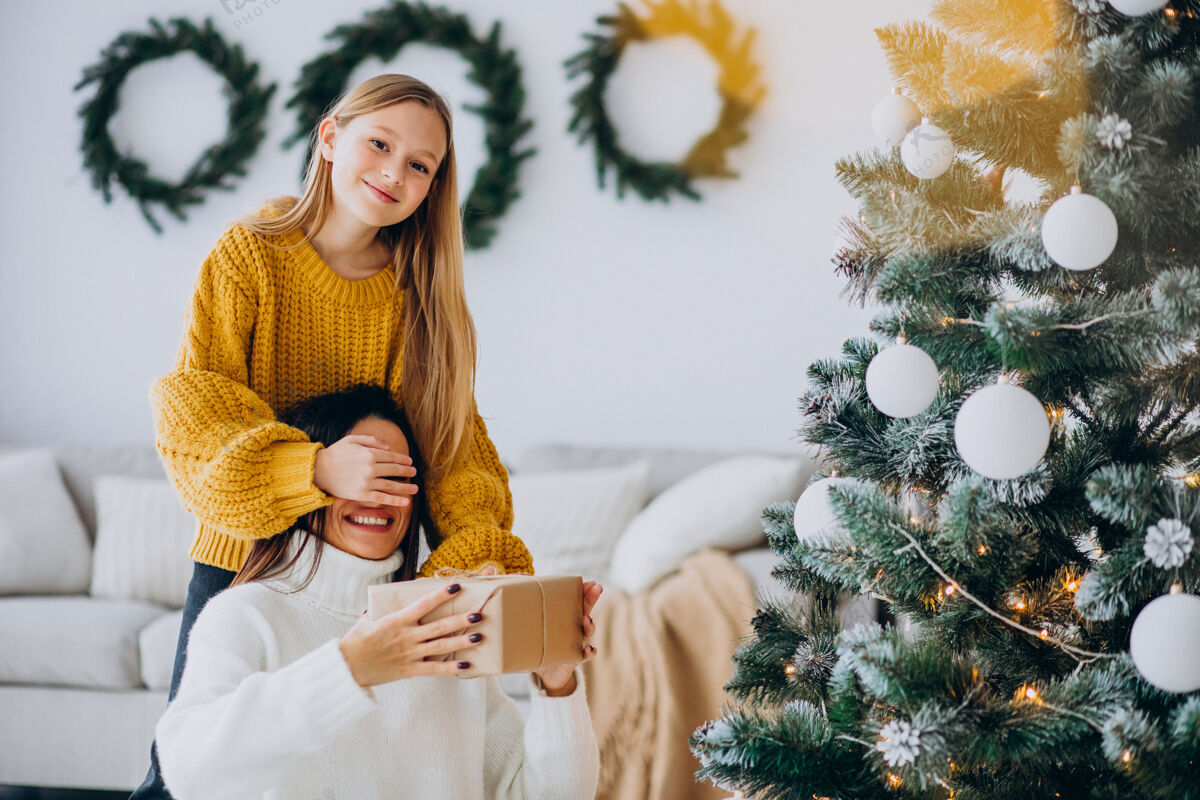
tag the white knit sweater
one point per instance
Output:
(267, 708)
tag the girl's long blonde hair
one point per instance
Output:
(437, 384)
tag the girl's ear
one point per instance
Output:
(326, 133)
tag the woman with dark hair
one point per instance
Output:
(290, 692)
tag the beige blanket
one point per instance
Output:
(663, 656)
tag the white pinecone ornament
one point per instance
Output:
(1113, 131)
(899, 742)
(1168, 543)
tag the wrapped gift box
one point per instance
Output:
(528, 622)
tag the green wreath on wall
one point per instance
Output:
(212, 170)
(738, 84)
(382, 33)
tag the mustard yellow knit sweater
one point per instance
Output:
(268, 328)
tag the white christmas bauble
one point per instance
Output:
(902, 380)
(814, 515)
(1165, 642)
(1079, 231)
(1002, 431)
(1137, 8)
(894, 116)
(927, 151)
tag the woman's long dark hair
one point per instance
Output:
(326, 419)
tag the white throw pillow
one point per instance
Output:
(718, 506)
(570, 519)
(44, 548)
(142, 540)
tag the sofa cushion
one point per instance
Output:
(73, 641)
(142, 541)
(570, 520)
(718, 506)
(156, 644)
(667, 465)
(44, 548)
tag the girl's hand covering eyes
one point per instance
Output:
(396, 645)
(362, 468)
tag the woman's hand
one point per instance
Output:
(362, 468)
(559, 680)
(396, 645)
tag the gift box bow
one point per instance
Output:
(528, 622)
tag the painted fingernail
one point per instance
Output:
(453, 588)
(592, 647)
(476, 617)
(464, 665)
(590, 620)
(475, 637)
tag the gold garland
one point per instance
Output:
(738, 83)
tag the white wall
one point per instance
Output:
(600, 320)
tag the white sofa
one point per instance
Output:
(83, 679)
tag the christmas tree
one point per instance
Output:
(1014, 476)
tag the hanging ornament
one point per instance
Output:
(1168, 543)
(1002, 431)
(1165, 642)
(899, 742)
(902, 380)
(814, 517)
(1113, 131)
(894, 116)
(927, 151)
(1137, 8)
(1079, 231)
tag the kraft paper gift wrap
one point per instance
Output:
(528, 622)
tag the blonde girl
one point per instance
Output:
(359, 280)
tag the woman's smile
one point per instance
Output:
(376, 523)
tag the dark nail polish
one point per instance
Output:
(464, 665)
(475, 637)
(453, 588)
(590, 621)
(476, 617)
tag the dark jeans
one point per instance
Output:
(206, 582)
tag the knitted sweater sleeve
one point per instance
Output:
(233, 464)
(472, 507)
(234, 730)
(552, 756)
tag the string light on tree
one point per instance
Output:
(1165, 642)
(1002, 431)
(814, 516)
(1137, 8)
(894, 116)
(902, 380)
(1079, 231)
(927, 151)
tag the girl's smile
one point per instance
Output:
(379, 193)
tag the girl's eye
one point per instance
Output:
(420, 167)
(382, 146)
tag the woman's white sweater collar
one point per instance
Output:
(341, 580)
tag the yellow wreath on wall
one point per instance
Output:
(738, 83)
